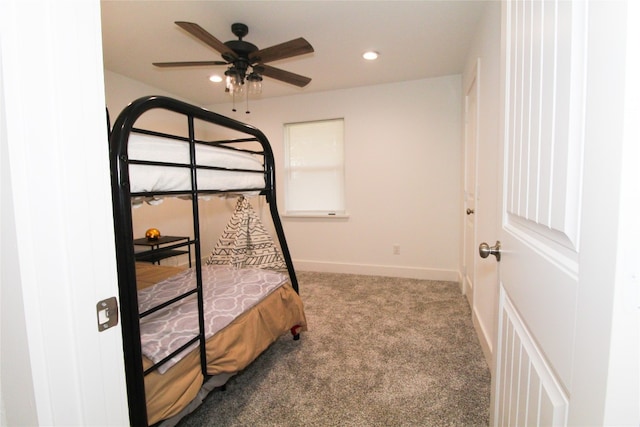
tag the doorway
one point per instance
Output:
(470, 167)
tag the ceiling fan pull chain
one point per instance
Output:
(247, 112)
(233, 97)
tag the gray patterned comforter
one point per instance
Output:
(228, 293)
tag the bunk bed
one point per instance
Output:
(165, 382)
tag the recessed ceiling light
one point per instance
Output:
(370, 55)
(215, 78)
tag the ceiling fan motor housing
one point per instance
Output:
(241, 48)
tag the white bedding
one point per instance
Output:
(227, 293)
(144, 178)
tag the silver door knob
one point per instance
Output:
(470, 211)
(486, 250)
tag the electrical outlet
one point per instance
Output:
(396, 249)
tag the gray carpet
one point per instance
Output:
(379, 352)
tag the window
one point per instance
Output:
(314, 168)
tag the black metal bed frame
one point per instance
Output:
(123, 223)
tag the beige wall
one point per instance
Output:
(403, 155)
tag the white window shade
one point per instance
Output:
(314, 167)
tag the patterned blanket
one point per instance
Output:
(228, 293)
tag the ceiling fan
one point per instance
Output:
(242, 56)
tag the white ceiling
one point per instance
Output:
(416, 39)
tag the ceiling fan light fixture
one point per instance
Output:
(370, 55)
(254, 81)
(234, 82)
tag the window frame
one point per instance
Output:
(335, 199)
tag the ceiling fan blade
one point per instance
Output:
(285, 76)
(203, 35)
(288, 49)
(188, 63)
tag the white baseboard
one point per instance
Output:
(378, 270)
(467, 290)
(483, 338)
(460, 280)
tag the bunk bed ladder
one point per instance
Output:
(198, 252)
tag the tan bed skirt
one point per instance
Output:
(228, 352)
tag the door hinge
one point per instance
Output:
(107, 311)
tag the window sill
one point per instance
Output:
(316, 215)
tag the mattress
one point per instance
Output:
(227, 293)
(229, 351)
(149, 178)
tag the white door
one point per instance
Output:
(57, 224)
(555, 270)
(470, 251)
(543, 122)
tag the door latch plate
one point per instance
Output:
(107, 311)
